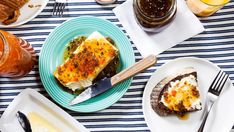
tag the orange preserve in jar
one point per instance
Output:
(17, 57)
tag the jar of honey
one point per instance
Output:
(205, 8)
(17, 57)
(154, 15)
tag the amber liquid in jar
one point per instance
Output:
(154, 15)
(15, 61)
(205, 8)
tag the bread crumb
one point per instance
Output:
(32, 6)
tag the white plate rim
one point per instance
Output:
(154, 74)
(29, 19)
(44, 100)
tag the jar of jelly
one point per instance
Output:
(17, 57)
(154, 15)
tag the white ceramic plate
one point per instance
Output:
(27, 13)
(31, 101)
(221, 117)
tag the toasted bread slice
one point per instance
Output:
(13, 18)
(10, 10)
(177, 94)
(89, 59)
(6, 12)
(14, 4)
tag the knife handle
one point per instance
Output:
(133, 70)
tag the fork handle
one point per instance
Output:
(210, 104)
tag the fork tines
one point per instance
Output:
(218, 83)
(58, 9)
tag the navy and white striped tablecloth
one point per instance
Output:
(215, 44)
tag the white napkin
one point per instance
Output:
(184, 26)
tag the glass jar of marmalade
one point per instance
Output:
(154, 15)
(17, 57)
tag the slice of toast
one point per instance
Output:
(6, 12)
(177, 94)
(14, 4)
(10, 10)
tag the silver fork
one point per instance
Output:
(59, 7)
(213, 94)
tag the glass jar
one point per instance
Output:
(154, 15)
(105, 2)
(17, 57)
(205, 8)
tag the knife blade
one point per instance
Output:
(94, 90)
(107, 83)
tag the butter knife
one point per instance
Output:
(107, 83)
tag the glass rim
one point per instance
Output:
(172, 8)
(5, 52)
(215, 4)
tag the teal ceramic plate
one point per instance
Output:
(52, 53)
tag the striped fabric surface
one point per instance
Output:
(215, 44)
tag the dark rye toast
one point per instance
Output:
(177, 94)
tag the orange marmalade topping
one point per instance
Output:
(181, 97)
(87, 61)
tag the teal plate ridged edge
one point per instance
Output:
(52, 53)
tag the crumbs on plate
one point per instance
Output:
(32, 6)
